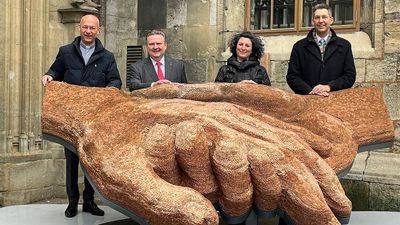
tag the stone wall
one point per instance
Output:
(374, 181)
(120, 31)
(31, 34)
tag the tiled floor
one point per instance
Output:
(53, 214)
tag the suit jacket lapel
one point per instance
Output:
(314, 51)
(168, 69)
(329, 51)
(151, 70)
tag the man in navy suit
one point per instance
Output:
(158, 68)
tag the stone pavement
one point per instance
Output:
(50, 214)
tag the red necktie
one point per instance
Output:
(160, 74)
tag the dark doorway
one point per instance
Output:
(152, 14)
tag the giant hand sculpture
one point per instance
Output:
(168, 152)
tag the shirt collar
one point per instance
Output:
(326, 38)
(319, 38)
(87, 46)
(162, 61)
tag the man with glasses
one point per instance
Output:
(84, 62)
(322, 62)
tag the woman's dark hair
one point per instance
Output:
(258, 46)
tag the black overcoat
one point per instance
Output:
(307, 69)
(100, 71)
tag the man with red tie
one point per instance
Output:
(157, 68)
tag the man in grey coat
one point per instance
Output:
(158, 68)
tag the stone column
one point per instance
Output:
(3, 81)
(23, 40)
(29, 172)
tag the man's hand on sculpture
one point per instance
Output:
(46, 79)
(236, 145)
(159, 82)
(322, 90)
(247, 82)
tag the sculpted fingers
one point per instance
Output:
(332, 129)
(231, 169)
(267, 186)
(301, 194)
(282, 148)
(301, 150)
(192, 152)
(323, 173)
(160, 151)
(131, 182)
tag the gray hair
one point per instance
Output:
(156, 32)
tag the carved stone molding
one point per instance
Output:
(74, 15)
(81, 8)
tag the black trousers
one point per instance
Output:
(282, 222)
(72, 161)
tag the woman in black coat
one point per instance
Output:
(244, 64)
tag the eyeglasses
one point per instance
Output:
(88, 27)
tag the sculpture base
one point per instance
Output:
(121, 222)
